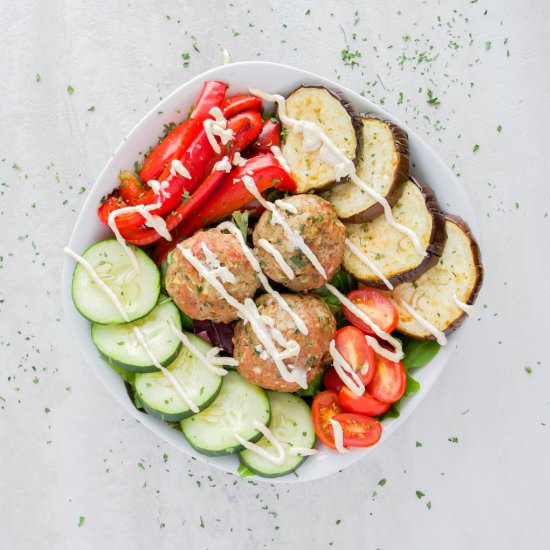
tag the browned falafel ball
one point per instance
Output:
(314, 347)
(316, 221)
(193, 294)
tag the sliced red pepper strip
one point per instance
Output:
(230, 195)
(238, 103)
(169, 148)
(179, 139)
(268, 137)
(212, 95)
(200, 159)
(109, 204)
(131, 190)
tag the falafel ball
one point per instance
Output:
(193, 294)
(260, 369)
(316, 221)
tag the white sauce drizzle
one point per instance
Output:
(159, 188)
(177, 167)
(155, 222)
(139, 334)
(296, 239)
(277, 459)
(439, 336)
(468, 309)
(213, 356)
(234, 230)
(345, 371)
(356, 251)
(277, 219)
(217, 126)
(397, 355)
(314, 138)
(204, 359)
(381, 350)
(249, 312)
(288, 206)
(223, 165)
(238, 159)
(278, 257)
(338, 436)
(276, 150)
(216, 268)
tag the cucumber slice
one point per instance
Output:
(291, 424)
(159, 398)
(138, 292)
(119, 344)
(163, 269)
(239, 403)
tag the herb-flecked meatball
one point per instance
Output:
(257, 367)
(193, 294)
(316, 221)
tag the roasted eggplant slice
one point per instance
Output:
(456, 277)
(335, 117)
(390, 250)
(383, 164)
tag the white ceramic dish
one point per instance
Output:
(271, 77)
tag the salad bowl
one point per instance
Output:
(273, 78)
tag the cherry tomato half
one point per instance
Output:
(331, 380)
(363, 404)
(374, 304)
(358, 430)
(389, 381)
(325, 405)
(351, 343)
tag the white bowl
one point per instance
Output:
(271, 77)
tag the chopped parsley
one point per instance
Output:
(432, 100)
(349, 57)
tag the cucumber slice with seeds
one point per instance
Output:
(239, 403)
(292, 425)
(120, 345)
(159, 398)
(138, 292)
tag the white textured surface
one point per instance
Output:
(489, 490)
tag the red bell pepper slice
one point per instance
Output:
(131, 190)
(212, 95)
(169, 148)
(229, 195)
(238, 103)
(268, 137)
(200, 159)
(179, 139)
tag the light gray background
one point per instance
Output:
(68, 450)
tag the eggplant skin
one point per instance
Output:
(446, 315)
(435, 241)
(480, 270)
(349, 207)
(335, 115)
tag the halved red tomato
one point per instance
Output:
(331, 380)
(358, 430)
(325, 405)
(351, 343)
(376, 306)
(390, 379)
(362, 404)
